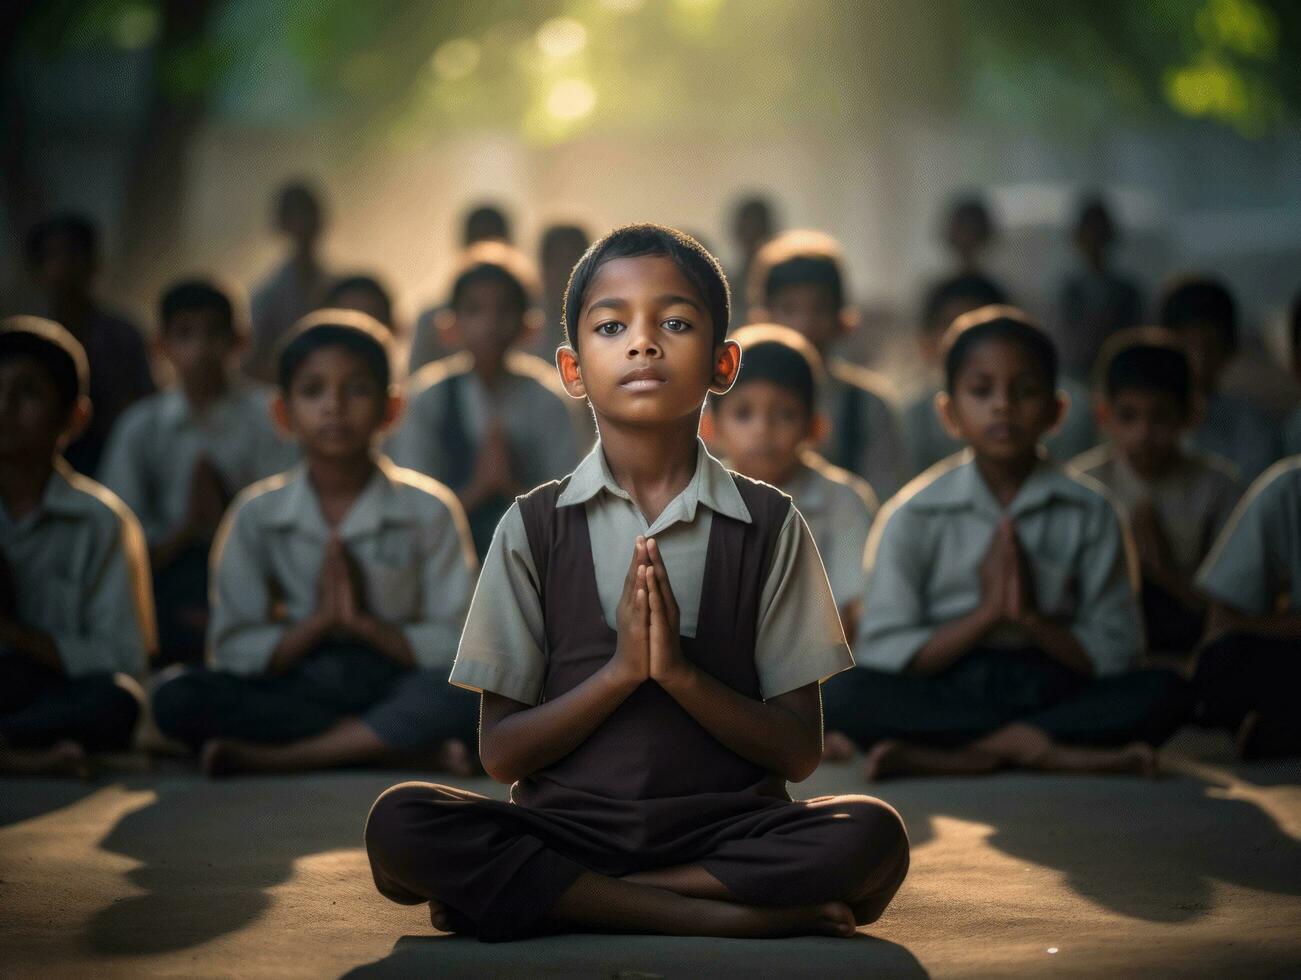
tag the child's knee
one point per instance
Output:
(176, 703)
(392, 817)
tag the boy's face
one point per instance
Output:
(760, 428)
(1144, 426)
(488, 319)
(335, 405)
(1001, 404)
(33, 418)
(1208, 353)
(646, 352)
(198, 343)
(810, 309)
(63, 268)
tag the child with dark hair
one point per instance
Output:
(177, 457)
(63, 259)
(76, 614)
(1248, 673)
(298, 284)
(648, 637)
(1000, 624)
(753, 223)
(1176, 500)
(365, 294)
(491, 421)
(340, 588)
(798, 281)
(1203, 314)
(765, 428)
(1096, 301)
(562, 246)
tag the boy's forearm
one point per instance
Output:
(950, 642)
(1277, 626)
(385, 638)
(30, 644)
(524, 742)
(1059, 643)
(767, 734)
(296, 642)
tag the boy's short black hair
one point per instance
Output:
(1005, 323)
(781, 356)
(563, 235)
(356, 332)
(485, 222)
(494, 261)
(299, 193)
(693, 260)
(76, 227)
(362, 283)
(1145, 359)
(197, 294)
(1201, 300)
(796, 258)
(977, 289)
(52, 346)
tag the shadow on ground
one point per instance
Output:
(641, 957)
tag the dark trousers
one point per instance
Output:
(990, 688)
(1242, 672)
(39, 707)
(181, 598)
(407, 709)
(498, 867)
(1171, 627)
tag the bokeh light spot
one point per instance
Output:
(561, 37)
(571, 99)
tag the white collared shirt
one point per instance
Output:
(838, 507)
(82, 575)
(799, 638)
(924, 554)
(407, 533)
(156, 443)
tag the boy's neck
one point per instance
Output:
(653, 464)
(22, 483)
(490, 371)
(1006, 477)
(1153, 473)
(338, 482)
(202, 392)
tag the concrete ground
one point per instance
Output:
(161, 873)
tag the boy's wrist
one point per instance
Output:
(677, 678)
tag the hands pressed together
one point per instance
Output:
(340, 596)
(649, 645)
(1006, 585)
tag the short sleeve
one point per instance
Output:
(1241, 571)
(503, 645)
(243, 631)
(800, 639)
(893, 625)
(851, 520)
(1108, 622)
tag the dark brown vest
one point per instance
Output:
(650, 750)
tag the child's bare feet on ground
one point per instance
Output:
(837, 747)
(454, 757)
(892, 757)
(226, 756)
(65, 758)
(828, 919)
(438, 916)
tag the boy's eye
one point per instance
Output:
(676, 325)
(609, 328)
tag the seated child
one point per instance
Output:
(765, 427)
(648, 637)
(490, 422)
(798, 281)
(926, 441)
(177, 457)
(76, 614)
(1000, 625)
(1202, 312)
(341, 587)
(363, 293)
(1292, 428)
(1176, 500)
(1248, 674)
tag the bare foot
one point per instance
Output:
(837, 747)
(892, 757)
(828, 919)
(227, 756)
(65, 758)
(438, 916)
(883, 760)
(1137, 758)
(454, 757)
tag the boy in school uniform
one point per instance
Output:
(765, 428)
(648, 637)
(490, 422)
(1292, 427)
(1176, 500)
(1248, 674)
(798, 281)
(926, 441)
(1000, 623)
(177, 457)
(1203, 314)
(340, 588)
(76, 614)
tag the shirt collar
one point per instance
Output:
(66, 494)
(711, 485)
(379, 503)
(962, 487)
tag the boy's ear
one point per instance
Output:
(534, 320)
(727, 364)
(819, 428)
(850, 317)
(393, 405)
(944, 409)
(280, 415)
(445, 323)
(571, 374)
(79, 416)
(1061, 405)
(1101, 412)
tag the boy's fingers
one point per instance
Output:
(633, 565)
